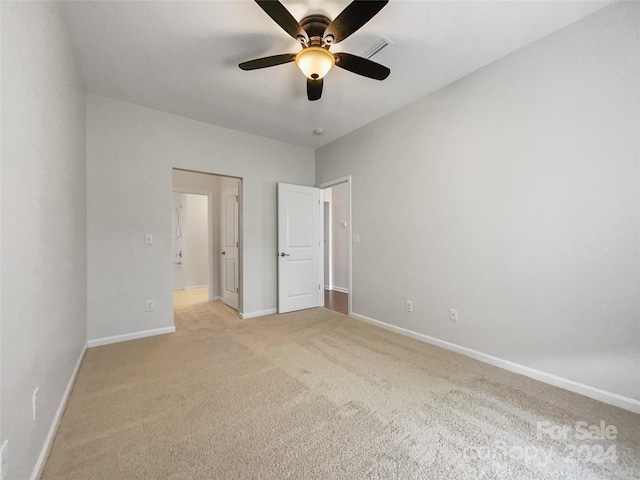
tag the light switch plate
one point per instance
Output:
(356, 238)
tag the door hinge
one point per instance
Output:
(237, 244)
(237, 290)
(318, 286)
(236, 197)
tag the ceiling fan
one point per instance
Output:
(317, 33)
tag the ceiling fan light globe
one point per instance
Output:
(315, 62)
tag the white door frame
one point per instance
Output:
(328, 246)
(322, 187)
(195, 191)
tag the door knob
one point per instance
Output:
(223, 253)
(284, 254)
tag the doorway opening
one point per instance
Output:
(206, 239)
(190, 241)
(337, 245)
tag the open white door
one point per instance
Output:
(299, 248)
(230, 244)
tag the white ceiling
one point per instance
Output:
(182, 57)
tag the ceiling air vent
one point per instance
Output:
(376, 47)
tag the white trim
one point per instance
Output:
(610, 398)
(339, 289)
(216, 299)
(196, 287)
(327, 236)
(260, 313)
(46, 447)
(129, 336)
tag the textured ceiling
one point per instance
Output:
(182, 57)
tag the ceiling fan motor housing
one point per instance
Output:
(315, 25)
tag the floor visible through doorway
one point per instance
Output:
(197, 301)
(336, 301)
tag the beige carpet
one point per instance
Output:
(317, 395)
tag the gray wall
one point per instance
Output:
(197, 253)
(43, 216)
(512, 196)
(130, 154)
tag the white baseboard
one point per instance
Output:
(129, 336)
(216, 299)
(260, 313)
(196, 287)
(588, 391)
(340, 289)
(44, 453)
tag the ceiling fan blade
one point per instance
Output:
(361, 66)
(282, 17)
(314, 89)
(354, 16)
(271, 61)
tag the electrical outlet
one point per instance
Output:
(453, 315)
(34, 404)
(408, 305)
(4, 460)
(148, 305)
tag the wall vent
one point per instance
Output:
(376, 47)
